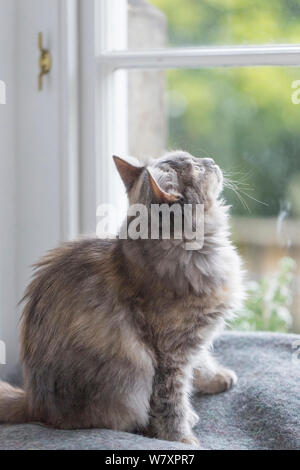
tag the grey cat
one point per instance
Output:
(116, 332)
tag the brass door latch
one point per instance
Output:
(45, 61)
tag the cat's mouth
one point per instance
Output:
(219, 173)
(217, 185)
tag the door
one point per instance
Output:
(38, 134)
(45, 145)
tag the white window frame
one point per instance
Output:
(109, 17)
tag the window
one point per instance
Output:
(215, 78)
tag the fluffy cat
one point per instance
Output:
(115, 332)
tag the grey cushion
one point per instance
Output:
(261, 412)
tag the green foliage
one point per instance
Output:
(267, 305)
(243, 117)
(206, 22)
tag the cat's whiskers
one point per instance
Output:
(229, 185)
(239, 188)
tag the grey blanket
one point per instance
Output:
(261, 412)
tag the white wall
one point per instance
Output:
(34, 175)
(8, 317)
(38, 134)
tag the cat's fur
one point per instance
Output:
(114, 330)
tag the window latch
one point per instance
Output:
(45, 61)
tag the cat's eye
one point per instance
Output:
(199, 169)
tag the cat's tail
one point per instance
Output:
(13, 404)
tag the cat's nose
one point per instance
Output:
(208, 161)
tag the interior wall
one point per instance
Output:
(8, 316)
(32, 185)
(38, 129)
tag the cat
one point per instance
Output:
(116, 332)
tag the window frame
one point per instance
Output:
(203, 57)
(108, 105)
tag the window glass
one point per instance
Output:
(212, 22)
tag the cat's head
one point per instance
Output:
(175, 177)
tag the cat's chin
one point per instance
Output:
(219, 174)
(216, 185)
(220, 181)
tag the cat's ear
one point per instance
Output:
(161, 195)
(130, 169)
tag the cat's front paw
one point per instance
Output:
(222, 381)
(190, 440)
